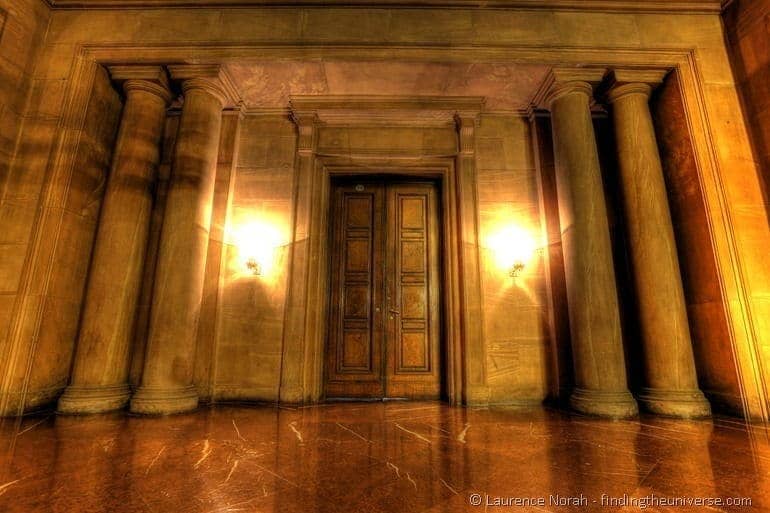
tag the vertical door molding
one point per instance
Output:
(476, 390)
(298, 317)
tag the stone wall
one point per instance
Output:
(747, 23)
(22, 29)
(54, 268)
(515, 309)
(251, 311)
(77, 215)
(705, 308)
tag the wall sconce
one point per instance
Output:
(516, 269)
(512, 248)
(254, 266)
(256, 242)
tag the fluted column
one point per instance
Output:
(166, 385)
(600, 374)
(99, 380)
(671, 384)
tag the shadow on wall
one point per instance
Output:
(716, 365)
(746, 26)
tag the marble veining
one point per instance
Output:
(373, 457)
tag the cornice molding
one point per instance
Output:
(678, 6)
(385, 102)
(362, 110)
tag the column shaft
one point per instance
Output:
(600, 374)
(168, 369)
(671, 381)
(99, 380)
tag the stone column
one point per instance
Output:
(600, 373)
(167, 380)
(671, 381)
(99, 380)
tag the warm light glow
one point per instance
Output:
(256, 242)
(512, 248)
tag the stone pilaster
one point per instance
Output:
(293, 388)
(99, 380)
(476, 390)
(670, 377)
(167, 385)
(600, 373)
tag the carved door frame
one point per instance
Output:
(306, 319)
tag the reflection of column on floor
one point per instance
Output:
(740, 463)
(23, 455)
(166, 464)
(658, 441)
(604, 458)
(90, 464)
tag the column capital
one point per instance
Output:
(563, 81)
(152, 79)
(211, 78)
(622, 82)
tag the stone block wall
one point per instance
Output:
(715, 360)
(251, 311)
(747, 25)
(515, 309)
(23, 159)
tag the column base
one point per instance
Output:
(164, 400)
(600, 403)
(685, 404)
(93, 399)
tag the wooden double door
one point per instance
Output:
(385, 306)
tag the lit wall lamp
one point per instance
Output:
(256, 242)
(254, 266)
(516, 269)
(512, 248)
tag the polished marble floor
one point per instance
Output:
(378, 457)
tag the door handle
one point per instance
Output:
(394, 312)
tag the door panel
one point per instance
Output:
(384, 334)
(412, 288)
(354, 356)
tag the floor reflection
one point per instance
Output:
(378, 457)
